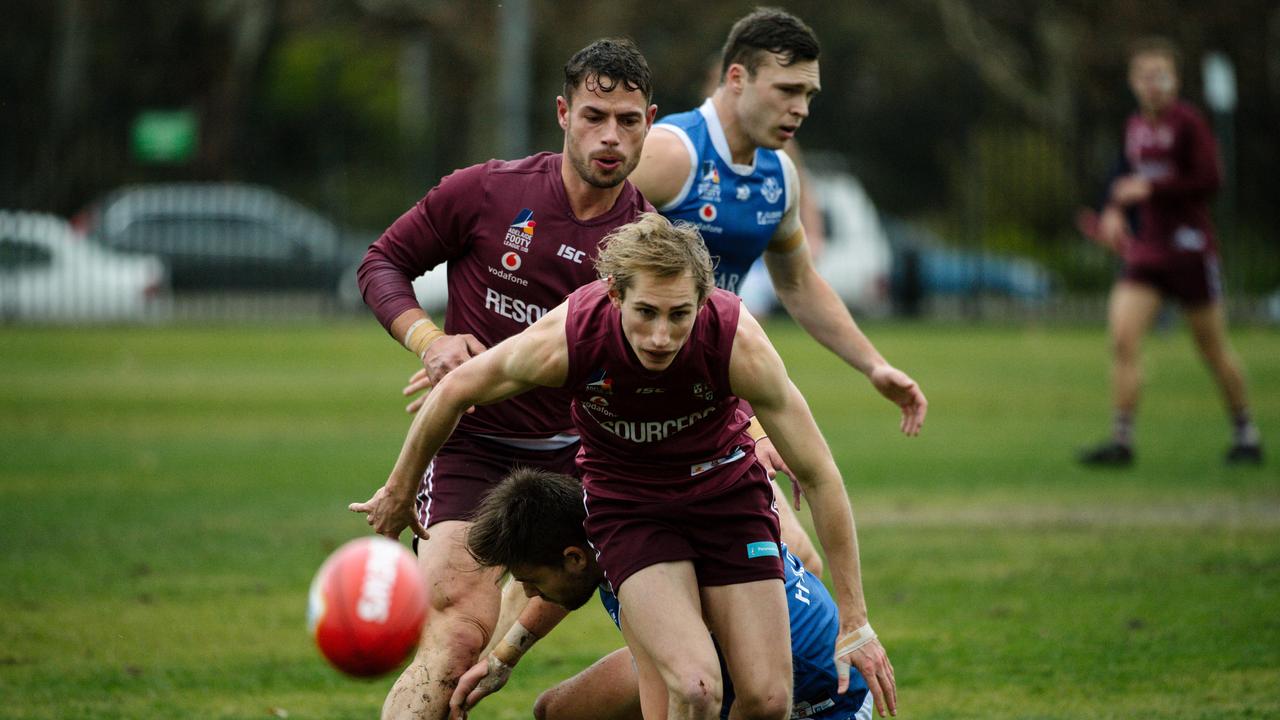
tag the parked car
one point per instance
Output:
(855, 257)
(48, 273)
(924, 265)
(220, 236)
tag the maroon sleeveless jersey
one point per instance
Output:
(655, 435)
(514, 250)
(1176, 152)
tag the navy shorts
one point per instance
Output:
(730, 536)
(1191, 278)
(468, 467)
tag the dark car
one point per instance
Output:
(226, 236)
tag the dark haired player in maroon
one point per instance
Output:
(678, 508)
(1173, 173)
(518, 237)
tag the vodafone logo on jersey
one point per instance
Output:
(707, 212)
(511, 261)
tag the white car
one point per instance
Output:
(49, 273)
(855, 259)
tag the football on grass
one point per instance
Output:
(367, 605)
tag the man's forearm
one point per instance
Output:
(431, 427)
(833, 523)
(814, 304)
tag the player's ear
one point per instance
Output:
(575, 559)
(614, 296)
(735, 77)
(650, 115)
(562, 112)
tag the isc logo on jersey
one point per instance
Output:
(520, 232)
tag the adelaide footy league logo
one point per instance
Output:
(600, 383)
(520, 233)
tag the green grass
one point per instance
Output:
(166, 495)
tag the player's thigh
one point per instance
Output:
(455, 582)
(1131, 310)
(608, 690)
(1208, 325)
(662, 621)
(752, 625)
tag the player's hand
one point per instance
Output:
(389, 513)
(444, 355)
(902, 391)
(483, 679)
(772, 462)
(873, 663)
(1130, 190)
(1113, 229)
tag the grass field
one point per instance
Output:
(166, 495)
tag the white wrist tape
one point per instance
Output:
(854, 640)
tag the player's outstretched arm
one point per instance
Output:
(814, 304)
(538, 356)
(758, 376)
(490, 675)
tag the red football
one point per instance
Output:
(367, 605)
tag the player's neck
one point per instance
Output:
(741, 149)
(586, 200)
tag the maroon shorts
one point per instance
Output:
(731, 537)
(468, 467)
(1191, 278)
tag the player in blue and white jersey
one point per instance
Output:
(532, 525)
(721, 167)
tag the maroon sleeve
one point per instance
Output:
(434, 230)
(1199, 175)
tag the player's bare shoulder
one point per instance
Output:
(664, 166)
(755, 369)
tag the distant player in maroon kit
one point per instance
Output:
(678, 508)
(1173, 172)
(518, 237)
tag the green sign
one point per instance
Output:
(164, 136)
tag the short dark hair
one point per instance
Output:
(528, 519)
(1155, 45)
(606, 63)
(768, 30)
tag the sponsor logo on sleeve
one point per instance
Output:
(762, 549)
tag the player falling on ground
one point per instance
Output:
(721, 168)
(1173, 172)
(678, 510)
(531, 524)
(517, 236)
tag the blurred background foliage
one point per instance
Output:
(988, 121)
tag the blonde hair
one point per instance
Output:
(652, 244)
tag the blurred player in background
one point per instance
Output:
(721, 168)
(532, 525)
(679, 511)
(517, 236)
(1171, 172)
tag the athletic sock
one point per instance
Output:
(1122, 428)
(1245, 433)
